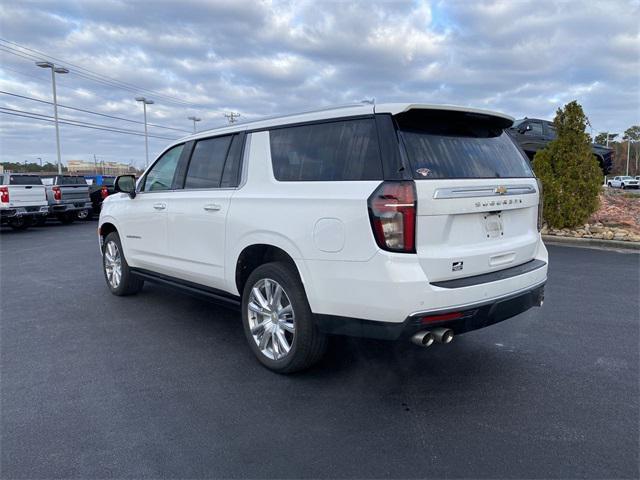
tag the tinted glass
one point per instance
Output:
(231, 173)
(460, 145)
(536, 129)
(24, 180)
(207, 163)
(160, 177)
(345, 150)
(551, 130)
(71, 180)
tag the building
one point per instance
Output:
(83, 167)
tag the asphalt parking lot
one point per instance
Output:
(163, 384)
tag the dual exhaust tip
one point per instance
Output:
(427, 338)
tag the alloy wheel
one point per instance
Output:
(113, 264)
(271, 319)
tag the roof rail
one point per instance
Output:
(284, 115)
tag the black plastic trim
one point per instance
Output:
(474, 317)
(213, 294)
(530, 266)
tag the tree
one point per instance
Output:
(569, 172)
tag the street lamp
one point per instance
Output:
(145, 102)
(195, 119)
(55, 70)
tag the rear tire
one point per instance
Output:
(67, 218)
(120, 280)
(41, 221)
(20, 223)
(622, 186)
(281, 319)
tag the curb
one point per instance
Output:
(592, 242)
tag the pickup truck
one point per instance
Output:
(68, 197)
(623, 182)
(100, 187)
(22, 200)
(533, 134)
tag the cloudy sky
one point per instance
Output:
(258, 58)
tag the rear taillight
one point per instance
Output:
(104, 193)
(392, 210)
(540, 205)
(4, 194)
(57, 194)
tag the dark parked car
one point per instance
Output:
(533, 134)
(101, 187)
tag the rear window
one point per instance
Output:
(346, 150)
(24, 180)
(70, 180)
(443, 144)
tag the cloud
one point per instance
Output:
(261, 58)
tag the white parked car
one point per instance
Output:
(623, 182)
(388, 221)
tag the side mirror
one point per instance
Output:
(126, 184)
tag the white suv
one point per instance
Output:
(388, 221)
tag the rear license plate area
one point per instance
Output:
(493, 225)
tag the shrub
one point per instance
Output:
(568, 170)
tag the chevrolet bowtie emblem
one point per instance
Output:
(501, 190)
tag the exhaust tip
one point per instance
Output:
(423, 339)
(443, 335)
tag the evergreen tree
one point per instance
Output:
(570, 174)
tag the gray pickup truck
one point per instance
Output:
(22, 200)
(68, 197)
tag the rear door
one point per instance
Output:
(477, 196)
(197, 213)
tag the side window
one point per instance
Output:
(551, 130)
(231, 173)
(160, 177)
(536, 129)
(345, 150)
(207, 163)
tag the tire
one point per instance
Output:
(41, 221)
(83, 215)
(113, 261)
(609, 184)
(306, 344)
(622, 186)
(67, 218)
(20, 223)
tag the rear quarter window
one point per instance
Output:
(333, 151)
(460, 145)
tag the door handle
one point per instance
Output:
(212, 207)
(159, 206)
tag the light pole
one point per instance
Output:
(55, 70)
(195, 119)
(145, 102)
(628, 153)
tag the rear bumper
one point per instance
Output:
(7, 213)
(472, 317)
(69, 207)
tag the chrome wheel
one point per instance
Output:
(82, 214)
(113, 264)
(271, 319)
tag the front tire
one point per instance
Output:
(82, 214)
(277, 320)
(120, 280)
